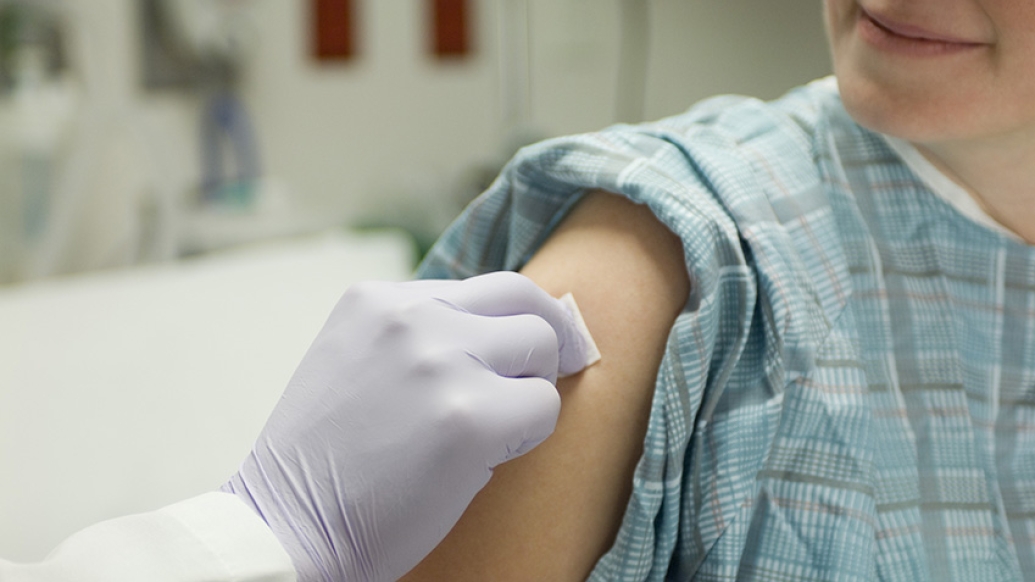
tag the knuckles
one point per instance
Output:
(510, 279)
(432, 363)
(463, 416)
(541, 333)
(430, 337)
(389, 309)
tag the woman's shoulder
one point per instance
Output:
(725, 161)
(802, 109)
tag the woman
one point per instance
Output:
(819, 365)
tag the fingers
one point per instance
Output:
(523, 414)
(516, 346)
(506, 293)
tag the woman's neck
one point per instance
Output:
(998, 174)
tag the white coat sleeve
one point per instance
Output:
(213, 537)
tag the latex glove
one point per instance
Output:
(395, 418)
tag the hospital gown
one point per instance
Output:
(849, 393)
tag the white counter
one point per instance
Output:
(125, 391)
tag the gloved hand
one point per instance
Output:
(408, 398)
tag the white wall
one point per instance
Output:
(398, 126)
(390, 122)
(394, 131)
(397, 129)
(702, 48)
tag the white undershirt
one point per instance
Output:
(944, 187)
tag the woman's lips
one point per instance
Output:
(892, 36)
(913, 32)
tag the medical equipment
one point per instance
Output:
(226, 129)
(84, 190)
(219, 36)
(39, 104)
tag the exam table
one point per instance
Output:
(121, 392)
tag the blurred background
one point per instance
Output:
(188, 186)
(146, 130)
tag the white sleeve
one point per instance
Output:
(212, 537)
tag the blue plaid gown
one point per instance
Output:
(850, 391)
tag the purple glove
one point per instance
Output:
(408, 398)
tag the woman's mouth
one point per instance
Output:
(891, 36)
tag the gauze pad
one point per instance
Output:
(579, 351)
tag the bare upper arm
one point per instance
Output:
(550, 514)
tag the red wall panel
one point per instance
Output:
(450, 28)
(333, 30)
